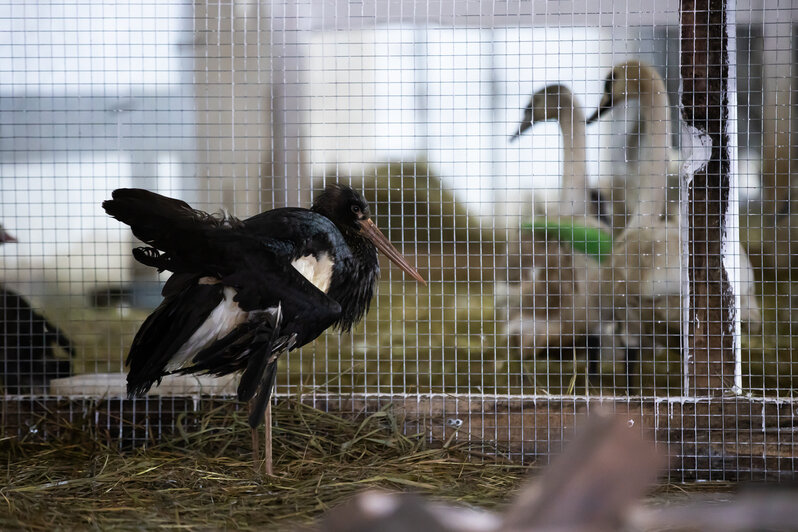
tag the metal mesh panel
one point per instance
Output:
(557, 245)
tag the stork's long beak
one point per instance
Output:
(604, 107)
(370, 231)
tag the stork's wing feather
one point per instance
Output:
(286, 310)
(160, 221)
(292, 232)
(166, 330)
(183, 239)
(261, 289)
(265, 387)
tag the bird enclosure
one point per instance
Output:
(598, 195)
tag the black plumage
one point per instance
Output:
(29, 361)
(237, 299)
(29, 343)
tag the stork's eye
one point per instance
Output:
(356, 209)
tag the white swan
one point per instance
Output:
(647, 151)
(576, 199)
(644, 271)
(550, 307)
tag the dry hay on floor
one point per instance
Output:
(205, 479)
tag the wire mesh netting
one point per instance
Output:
(538, 163)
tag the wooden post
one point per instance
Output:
(705, 107)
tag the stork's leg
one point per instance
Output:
(255, 443)
(267, 443)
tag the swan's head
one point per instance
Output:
(632, 80)
(546, 104)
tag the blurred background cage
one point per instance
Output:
(251, 105)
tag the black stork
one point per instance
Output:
(243, 292)
(28, 360)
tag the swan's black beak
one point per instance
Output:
(606, 102)
(525, 124)
(604, 107)
(521, 128)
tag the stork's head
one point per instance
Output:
(350, 213)
(344, 206)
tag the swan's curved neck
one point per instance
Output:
(574, 182)
(655, 112)
(655, 157)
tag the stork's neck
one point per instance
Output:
(654, 155)
(353, 286)
(574, 193)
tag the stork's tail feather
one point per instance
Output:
(258, 410)
(167, 329)
(158, 220)
(139, 389)
(147, 213)
(253, 378)
(152, 257)
(259, 377)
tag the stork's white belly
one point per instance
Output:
(316, 270)
(224, 318)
